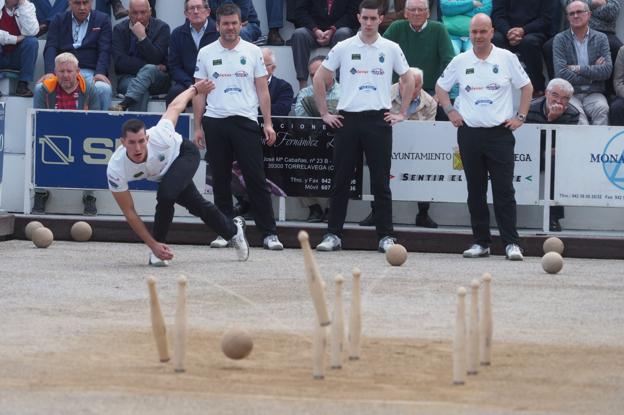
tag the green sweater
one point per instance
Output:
(430, 49)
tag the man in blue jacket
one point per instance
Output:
(140, 47)
(86, 34)
(250, 30)
(186, 41)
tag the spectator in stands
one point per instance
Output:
(281, 91)
(105, 6)
(250, 30)
(86, 34)
(423, 107)
(523, 27)
(305, 106)
(320, 23)
(47, 10)
(186, 41)
(456, 15)
(426, 45)
(140, 48)
(554, 108)
(275, 21)
(581, 56)
(616, 112)
(66, 89)
(18, 45)
(394, 11)
(604, 16)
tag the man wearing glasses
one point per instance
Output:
(581, 56)
(186, 40)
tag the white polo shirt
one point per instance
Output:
(485, 86)
(233, 72)
(163, 147)
(366, 72)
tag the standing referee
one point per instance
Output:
(366, 63)
(483, 113)
(230, 119)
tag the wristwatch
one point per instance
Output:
(521, 117)
(448, 108)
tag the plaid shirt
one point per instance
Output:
(66, 101)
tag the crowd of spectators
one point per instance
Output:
(572, 40)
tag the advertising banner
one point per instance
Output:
(299, 163)
(72, 148)
(426, 165)
(588, 166)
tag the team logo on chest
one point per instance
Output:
(495, 69)
(382, 57)
(243, 60)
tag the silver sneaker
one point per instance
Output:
(476, 251)
(239, 241)
(513, 252)
(272, 243)
(154, 261)
(385, 243)
(221, 243)
(330, 243)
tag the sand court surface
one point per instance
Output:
(76, 334)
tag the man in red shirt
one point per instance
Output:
(18, 44)
(65, 90)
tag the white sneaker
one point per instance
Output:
(239, 241)
(385, 243)
(154, 261)
(476, 251)
(220, 243)
(272, 243)
(513, 252)
(330, 243)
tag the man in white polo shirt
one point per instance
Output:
(228, 118)
(366, 63)
(160, 154)
(483, 113)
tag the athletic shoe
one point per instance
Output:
(476, 251)
(272, 243)
(385, 243)
(513, 252)
(221, 243)
(239, 241)
(330, 243)
(154, 261)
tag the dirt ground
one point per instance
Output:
(76, 335)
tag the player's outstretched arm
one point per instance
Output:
(201, 87)
(126, 204)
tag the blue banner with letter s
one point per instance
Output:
(72, 148)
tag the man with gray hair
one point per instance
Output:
(582, 57)
(66, 89)
(554, 108)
